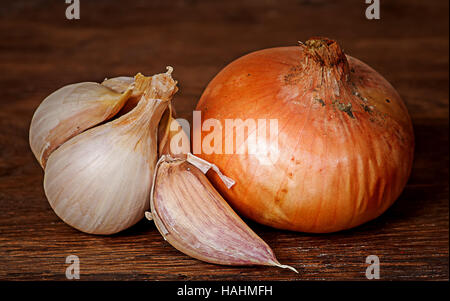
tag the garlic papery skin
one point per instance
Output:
(99, 182)
(69, 111)
(172, 139)
(119, 84)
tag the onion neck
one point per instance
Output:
(323, 54)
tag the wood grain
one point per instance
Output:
(41, 51)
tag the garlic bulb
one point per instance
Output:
(69, 111)
(99, 181)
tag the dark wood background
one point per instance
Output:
(41, 51)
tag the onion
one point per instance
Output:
(345, 138)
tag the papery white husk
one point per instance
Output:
(119, 84)
(69, 111)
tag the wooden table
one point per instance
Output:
(41, 51)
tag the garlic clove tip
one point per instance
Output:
(284, 266)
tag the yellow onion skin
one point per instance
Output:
(345, 138)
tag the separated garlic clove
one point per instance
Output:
(99, 181)
(69, 111)
(193, 217)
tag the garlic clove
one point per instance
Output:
(172, 139)
(99, 182)
(69, 111)
(193, 217)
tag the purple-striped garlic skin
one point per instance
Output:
(194, 218)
